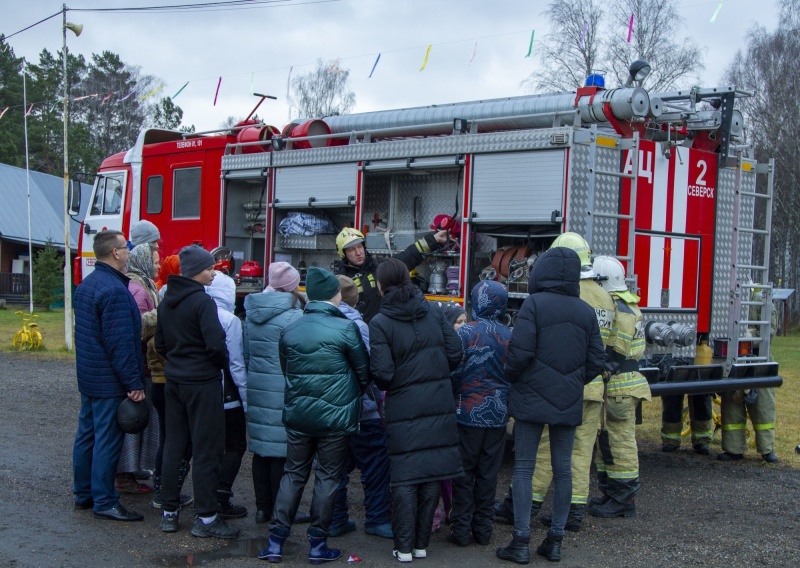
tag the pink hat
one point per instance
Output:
(282, 277)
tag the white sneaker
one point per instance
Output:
(402, 556)
(419, 553)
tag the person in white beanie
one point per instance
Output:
(234, 380)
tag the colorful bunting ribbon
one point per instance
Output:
(583, 35)
(530, 46)
(716, 12)
(129, 95)
(151, 93)
(84, 97)
(630, 28)
(5, 110)
(30, 108)
(425, 61)
(289, 81)
(180, 90)
(474, 52)
(108, 96)
(374, 65)
(216, 94)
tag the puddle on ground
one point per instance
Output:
(246, 547)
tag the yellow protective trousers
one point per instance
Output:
(585, 435)
(621, 426)
(734, 421)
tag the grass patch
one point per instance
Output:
(51, 326)
(786, 351)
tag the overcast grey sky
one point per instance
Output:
(264, 42)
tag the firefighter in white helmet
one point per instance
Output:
(758, 403)
(585, 435)
(619, 481)
(357, 263)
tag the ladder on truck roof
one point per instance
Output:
(624, 144)
(750, 315)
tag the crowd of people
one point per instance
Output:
(360, 371)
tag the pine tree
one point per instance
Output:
(48, 276)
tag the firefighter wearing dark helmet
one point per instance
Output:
(357, 263)
(619, 481)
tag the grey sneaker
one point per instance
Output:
(169, 523)
(217, 529)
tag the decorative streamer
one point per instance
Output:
(716, 12)
(5, 110)
(180, 90)
(216, 94)
(84, 97)
(630, 28)
(30, 108)
(108, 96)
(425, 61)
(151, 93)
(474, 51)
(374, 65)
(530, 46)
(127, 96)
(583, 35)
(289, 81)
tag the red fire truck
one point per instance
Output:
(662, 181)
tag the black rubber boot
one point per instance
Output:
(504, 510)
(574, 519)
(613, 508)
(517, 551)
(550, 548)
(274, 550)
(319, 551)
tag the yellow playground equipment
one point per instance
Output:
(29, 337)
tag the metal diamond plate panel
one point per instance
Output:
(385, 150)
(723, 252)
(607, 192)
(435, 193)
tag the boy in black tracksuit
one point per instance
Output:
(190, 337)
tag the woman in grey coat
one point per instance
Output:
(267, 314)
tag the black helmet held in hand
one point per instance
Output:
(133, 417)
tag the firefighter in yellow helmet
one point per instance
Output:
(585, 435)
(758, 403)
(357, 263)
(619, 481)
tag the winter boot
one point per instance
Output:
(319, 551)
(504, 510)
(574, 519)
(517, 551)
(550, 548)
(226, 509)
(274, 550)
(613, 508)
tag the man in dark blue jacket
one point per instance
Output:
(108, 352)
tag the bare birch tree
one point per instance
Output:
(323, 91)
(656, 37)
(571, 51)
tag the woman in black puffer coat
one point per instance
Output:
(413, 349)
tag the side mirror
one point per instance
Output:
(74, 198)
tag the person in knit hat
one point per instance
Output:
(267, 314)
(326, 368)
(189, 335)
(144, 232)
(454, 313)
(367, 447)
(282, 277)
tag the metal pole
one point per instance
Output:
(67, 268)
(28, 180)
